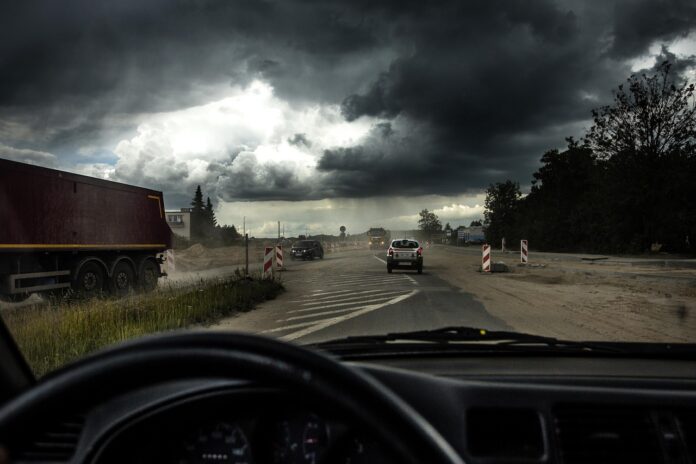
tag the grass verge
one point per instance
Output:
(50, 335)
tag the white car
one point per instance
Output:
(405, 252)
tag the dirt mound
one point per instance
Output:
(195, 251)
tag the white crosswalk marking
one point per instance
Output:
(319, 325)
(346, 293)
(348, 297)
(359, 302)
(340, 297)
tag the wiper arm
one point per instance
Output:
(467, 335)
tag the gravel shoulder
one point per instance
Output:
(562, 296)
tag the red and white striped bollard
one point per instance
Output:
(268, 262)
(524, 252)
(279, 257)
(486, 259)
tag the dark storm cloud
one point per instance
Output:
(637, 24)
(471, 92)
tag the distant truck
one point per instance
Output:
(378, 238)
(61, 231)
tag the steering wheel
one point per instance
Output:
(179, 356)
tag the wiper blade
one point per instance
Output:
(467, 335)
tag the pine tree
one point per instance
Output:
(210, 214)
(198, 216)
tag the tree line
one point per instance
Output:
(204, 226)
(629, 185)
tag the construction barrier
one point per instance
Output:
(524, 252)
(268, 262)
(169, 259)
(279, 257)
(486, 260)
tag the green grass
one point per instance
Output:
(50, 335)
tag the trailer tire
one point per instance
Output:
(89, 282)
(122, 279)
(148, 275)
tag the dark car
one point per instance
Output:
(307, 249)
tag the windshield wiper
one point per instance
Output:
(466, 337)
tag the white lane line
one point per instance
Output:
(379, 259)
(364, 278)
(289, 327)
(361, 300)
(338, 319)
(354, 296)
(413, 281)
(324, 292)
(310, 299)
(369, 282)
(323, 313)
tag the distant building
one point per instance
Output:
(180, 222)
(475, 234)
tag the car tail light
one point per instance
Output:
(390, 252)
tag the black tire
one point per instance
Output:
(89, 282)
(122, 279)
(148, 275)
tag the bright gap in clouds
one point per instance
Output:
(244, 146)
(234, 146)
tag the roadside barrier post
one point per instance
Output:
(279, 257)
(524, 252)
(268, 262)
(502, 247)
(486, 259)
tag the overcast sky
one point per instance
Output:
(319, 113)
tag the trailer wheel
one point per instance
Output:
(122, 279)
(90, 280)
(149, 272)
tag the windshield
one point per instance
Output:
(256, 167)
(404, 244)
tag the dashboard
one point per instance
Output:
(241, 425)
(524, 410)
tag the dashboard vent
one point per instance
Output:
(56, 444)
(599, 435)
(502, 433)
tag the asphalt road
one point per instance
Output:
(351, 293)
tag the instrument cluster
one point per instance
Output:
(241, 428)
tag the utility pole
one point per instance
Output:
(246, 248)
(246, 255)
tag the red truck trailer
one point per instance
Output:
(60, 230)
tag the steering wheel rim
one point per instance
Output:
(178, 356)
